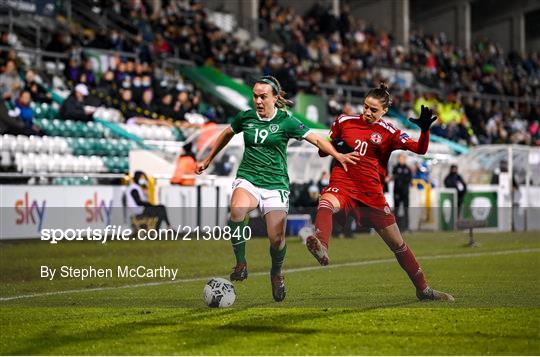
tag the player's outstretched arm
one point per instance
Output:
(340, 145)
(424, 122)
(325, 146)
(425, 119)
(223, 139)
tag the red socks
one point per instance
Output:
(323, 221)
(404, 255)
(407, 260)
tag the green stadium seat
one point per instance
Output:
(38, 112)
(90, 130)
(57, 128)
(69, 128)
(53, 113)
(113, 164)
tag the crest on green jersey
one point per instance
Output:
(274, 128)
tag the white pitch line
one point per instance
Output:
(295, 270)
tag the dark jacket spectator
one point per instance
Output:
(107, 87)
(147, 103)
(88, 71)
(10, 124)
(126, 105)
(165, 108)
(38, 93)
(74, 106)
(454, 180)
(72, 70)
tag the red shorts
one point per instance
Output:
(366, 216)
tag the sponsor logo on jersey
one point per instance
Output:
(301, 126)
(376, 138)
(250, 125)
(387, 210)
(274, 128)
(404, 137)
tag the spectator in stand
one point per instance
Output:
(10, 122)
(165, 108)
(101, 40)
(88, 70)
(72, 71)
(161, 46)
(137, 89)
(26, 113)
(38, 93)
(127, 105)
(60, 42)
(74, 107)
(10, 82)
(144, 50)
(147, 103)
(182, 106)
(495, 129)
(477, 118)
(120, 74)
(107, 87)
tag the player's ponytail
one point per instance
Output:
(282, 102)
(381, 93)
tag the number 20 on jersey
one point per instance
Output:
(361, 147)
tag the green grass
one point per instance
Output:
(362, 304)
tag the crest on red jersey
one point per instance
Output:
(376, 138)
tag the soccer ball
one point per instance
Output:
(219, 292)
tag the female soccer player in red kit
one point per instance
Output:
(360, 190)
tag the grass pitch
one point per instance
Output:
(361, 304)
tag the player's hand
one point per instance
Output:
(350, 158)
(201, 166)
(341, 146)
(425, 119)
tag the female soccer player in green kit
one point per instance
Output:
(262, 179)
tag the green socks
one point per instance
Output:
(239, 247)
(238, 241)
(278, 256)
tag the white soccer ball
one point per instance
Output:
(219, 292)
(305, 232)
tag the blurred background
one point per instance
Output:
(94, 91)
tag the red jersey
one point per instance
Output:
(374, 142)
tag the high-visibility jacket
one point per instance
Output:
(185, 166)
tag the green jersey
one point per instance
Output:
(265, 154)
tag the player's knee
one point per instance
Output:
(399, 248)
(325, 203)
(238, 213)
(277, 240)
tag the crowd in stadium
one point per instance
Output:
(317, 47)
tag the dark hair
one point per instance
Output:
(381, 93)
(277, 91)
(137, 176)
